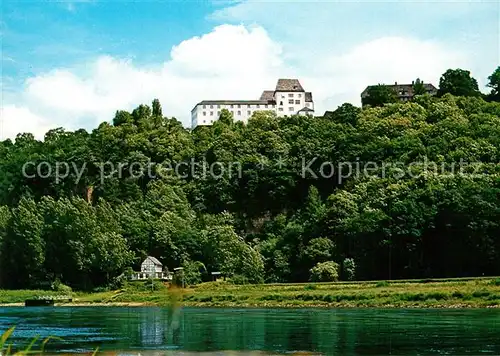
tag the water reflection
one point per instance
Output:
(322, 331)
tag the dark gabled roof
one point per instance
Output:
(288, 85)
(309, 96)
(407, 89)
(306, 110)
(267, 95)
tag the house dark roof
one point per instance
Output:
(267, 95)
(154, 260)
(309, 96)
(288, 85)
(306, 110)
(403, 90)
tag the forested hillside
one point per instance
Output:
(414, 193)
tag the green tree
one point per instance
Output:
(346, 114)
(419, 87)
(458, 82)
(157, 112)
(23, 248)
(494, 84)
(378, 95)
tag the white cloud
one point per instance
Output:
(231, 62)
(20, 119)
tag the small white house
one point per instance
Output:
(151, 268)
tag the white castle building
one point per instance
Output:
(289, 98)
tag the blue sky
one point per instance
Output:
(73, 63)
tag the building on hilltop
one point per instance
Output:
(288, 98)
(403, 91)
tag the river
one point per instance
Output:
(150, 330)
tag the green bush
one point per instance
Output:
(239, 279)
(193, 272)
(325, 272)
(58, 286)
(349, 269)
(495, 282)
(311, 287)
(382, 284)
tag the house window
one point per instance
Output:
(249, 112)
(239, 112)
(280, 109)
(290, 101)
(297, 101)
(290, 95)
(211, 113)
(281, 103)
(204, 106)
(203, 121)
(211, 106)
(290, 109)
(299, 95)
(204, 113)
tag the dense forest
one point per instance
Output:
(396, 190)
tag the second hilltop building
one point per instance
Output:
(288, 98)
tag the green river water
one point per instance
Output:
(149, 330)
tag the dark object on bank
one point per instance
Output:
(39, 303)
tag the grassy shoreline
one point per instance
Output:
(449, 293)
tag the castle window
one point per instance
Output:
(249, 112)
(257, 106)
(290, 109)
(211, 106)
(218, 113)
(204, 106)
(204, 113)
(239, 112)
(299, 95)
(290, 95)
(265, 106)
(239, 106)
(211, 113)
(290, 101)
(297, 101)
(218, 106)
(280, 109)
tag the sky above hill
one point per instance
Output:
(72, 64)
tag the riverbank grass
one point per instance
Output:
(453, 293)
